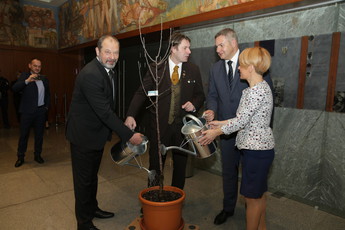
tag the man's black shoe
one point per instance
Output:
(93, 228)
(103, 214)
(19, 162)
(39, 159)
(222, 216)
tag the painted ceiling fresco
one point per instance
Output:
(85, 20)
(26, 25)
(80, 21)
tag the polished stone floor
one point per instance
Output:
(40, 197)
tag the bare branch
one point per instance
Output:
(153, 65)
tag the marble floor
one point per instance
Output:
(40, 197)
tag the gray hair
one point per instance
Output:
(230, 34)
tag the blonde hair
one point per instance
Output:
(259, 57)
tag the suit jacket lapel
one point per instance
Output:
(236, 78)
(166, 81)
(223, 74)
(115, 87)
(109, 83)
(183, 78)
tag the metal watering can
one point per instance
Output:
(122, 153)
(192, 130)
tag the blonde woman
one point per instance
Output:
(255, 137)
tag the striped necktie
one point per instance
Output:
(230, 73)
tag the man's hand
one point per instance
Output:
(31, 78)
(208, 115)
(136, 139)
(130, 123)
(188, 106)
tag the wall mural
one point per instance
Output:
(40, 27)
(86, 20)
(26, 25)
(12, 30)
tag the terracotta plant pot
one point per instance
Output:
(162, 215)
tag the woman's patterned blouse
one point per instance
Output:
(253, 118)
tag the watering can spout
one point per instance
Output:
(164, 150)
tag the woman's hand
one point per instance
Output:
(209, 136)
(216, 124)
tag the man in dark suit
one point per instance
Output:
(180, 92)
(224, 94)
(91, 120)
(33, 107)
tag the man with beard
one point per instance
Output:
(90, 123)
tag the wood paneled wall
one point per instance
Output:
(69, 66)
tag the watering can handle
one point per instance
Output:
(193, 118)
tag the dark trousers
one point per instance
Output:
(230, 165)
(4, 111)
(28, 120)
(85, 166)
(172, 137)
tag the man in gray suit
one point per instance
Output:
(224, 94)
(91, 120)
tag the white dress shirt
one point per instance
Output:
(171, 68)
(234, 60)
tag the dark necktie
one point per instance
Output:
(230, 73)
(111, 77)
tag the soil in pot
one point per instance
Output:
(161, 196)
(166, 212)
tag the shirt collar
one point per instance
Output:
(234, 59)
(172, 64)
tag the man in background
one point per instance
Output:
(33, 107)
